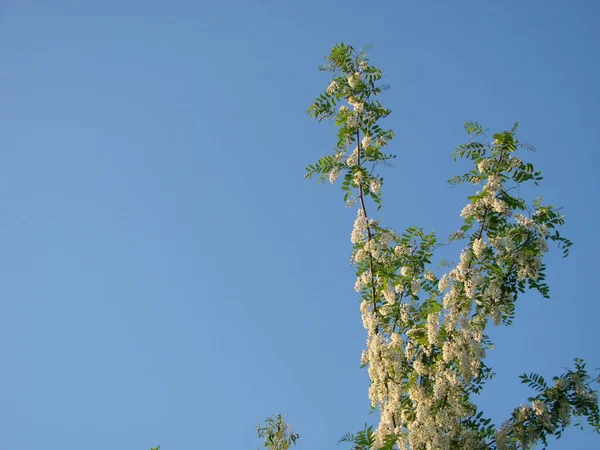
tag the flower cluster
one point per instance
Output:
(333, 86)
(426, 341)
(354, 80)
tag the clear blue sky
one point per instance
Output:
(167, 275)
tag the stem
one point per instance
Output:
(369, 234)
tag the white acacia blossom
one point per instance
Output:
(523, 220)
(353, 158)
(358, 177)
(426, 337)
(334, 174)
(485, 165)
(355, 80)
(468, 211)
(366, 141)
(360, 227)
(356, 104)
(333, 86)
(478, 247)
(375, 185)
(352, 121)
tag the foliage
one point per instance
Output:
(277, 434)
(426, 340)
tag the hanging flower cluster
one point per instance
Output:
(426, 340)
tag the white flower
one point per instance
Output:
(484, 165)
(496, 315)
(495, 290)
(523, 220)
(515, 162)
(561, 383)
(539, 407)
(358, 256)
(338, 157)
(356, 104)
(465, 261)
(360, 226)
(352, 121)
(415, 286)
(389, 294)
(334, 174)
(366, 141)
(375, 185)
(386, 238)
(470, 290)
(448, 351)
(500, 207)
(433, 325)
(478, 247)
(358, 177)
(400, 250)
(419, 367)
(494, 182)
(358, 286)
(370, 323)
(468, 211)
(353, 158)
(332, 87)
(523, 412)
(404, 270)
(362, 65)
(366, 277)
(364, 358)
(444, 283)
(354, 80)
(344, 109)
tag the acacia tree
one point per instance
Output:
(276, 433)
(426, 340)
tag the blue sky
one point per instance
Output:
(168, 276)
